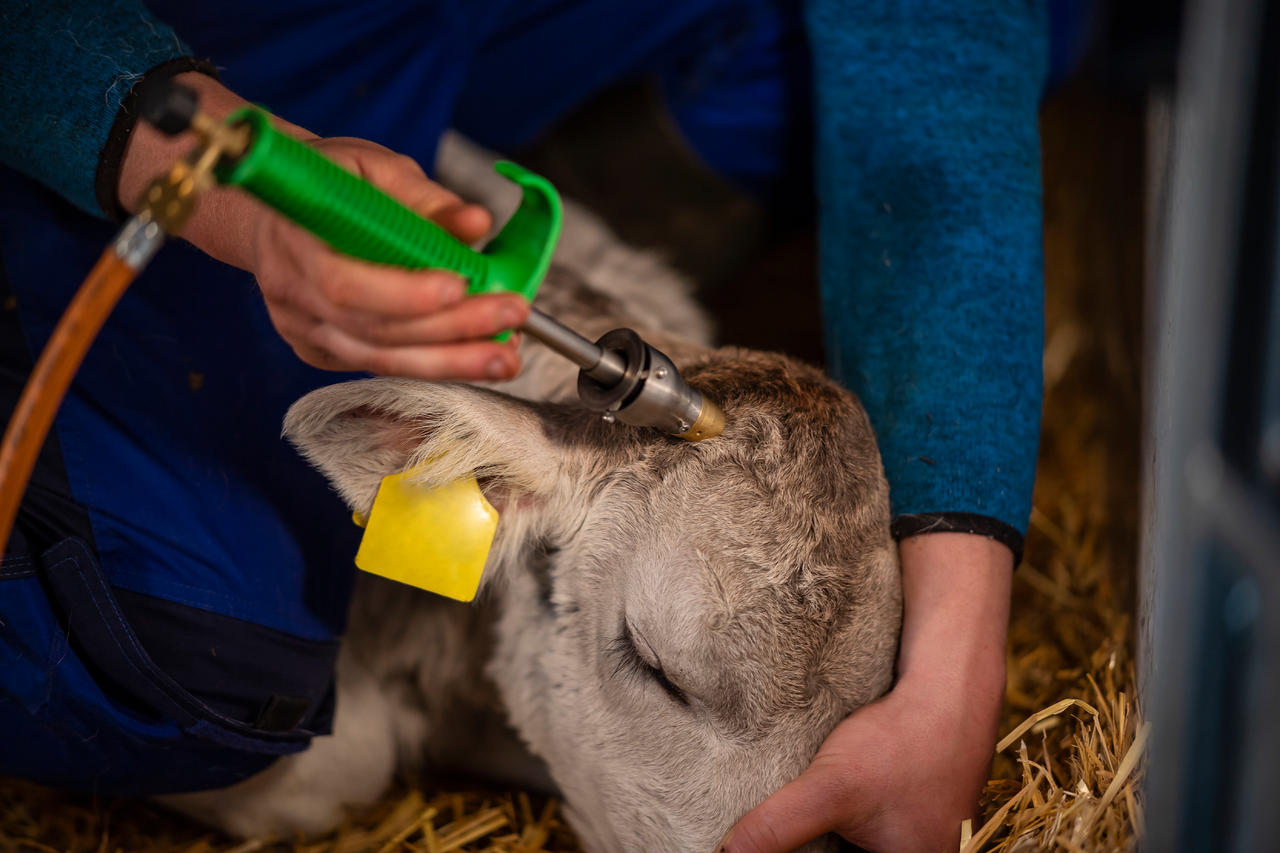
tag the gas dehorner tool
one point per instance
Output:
(620, 374)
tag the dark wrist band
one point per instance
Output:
(959, 522)
(107, 177)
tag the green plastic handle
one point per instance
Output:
(358, 219)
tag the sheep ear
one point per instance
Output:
(358, 432)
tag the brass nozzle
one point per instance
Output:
(710, 423)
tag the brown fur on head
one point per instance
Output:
(802, 436)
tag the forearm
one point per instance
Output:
(928, 166)
(65, 69)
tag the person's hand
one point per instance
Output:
(900, 774)
(342, 314)
(336, 312)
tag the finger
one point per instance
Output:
(479, 360)
(441, 313)
(474, 317)
(467, 222)
(799, 812)
(349, 284)
(285, 247)
(403, 179)
(322, 359)
(297, 329)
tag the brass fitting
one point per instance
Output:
(170, 199)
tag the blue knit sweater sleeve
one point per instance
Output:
(930, 228)
(65, 68)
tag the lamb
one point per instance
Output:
(666, 631)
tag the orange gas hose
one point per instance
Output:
(67, 346)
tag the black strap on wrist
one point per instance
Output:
(107, 177)
(917, 524)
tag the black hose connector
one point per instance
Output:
(167, 105)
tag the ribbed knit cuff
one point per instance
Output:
(107, 177)
(959, 522)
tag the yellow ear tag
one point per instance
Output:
(436, 538)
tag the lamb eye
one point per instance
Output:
(665, 683)
(630, 660)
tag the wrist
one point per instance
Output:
(226, 220)
(907, 525)
(106, 182)
(150, 152)
(956, 591)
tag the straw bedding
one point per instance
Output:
(1067, 772)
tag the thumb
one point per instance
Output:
(403, 178)
(800, 811)
(467, 222)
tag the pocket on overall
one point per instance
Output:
(111, 690)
